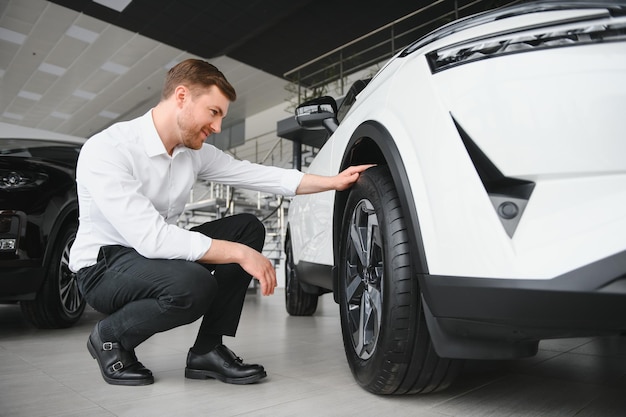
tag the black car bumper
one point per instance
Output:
(20, 283)
(21, 270)
(486, 318)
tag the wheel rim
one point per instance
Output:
(71, 299)
(364, 277)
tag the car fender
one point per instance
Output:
(68, 213)
(392, 156)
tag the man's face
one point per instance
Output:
(201, 116)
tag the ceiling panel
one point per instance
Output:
(79, 87)
(274, 36)
(81, 66)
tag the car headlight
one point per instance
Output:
(9, 230)
(20, 179)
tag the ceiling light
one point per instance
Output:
(29, 96)
(51, 69)
(13, 116)
(82, 34)
(114, 68)
(60, 115)
(170, 64)
(84, 94)
(12, 36)
(109, 114)
(118, 5)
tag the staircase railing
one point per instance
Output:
(314, 77)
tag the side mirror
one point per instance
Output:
(319, 113)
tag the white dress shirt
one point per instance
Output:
(131, 192)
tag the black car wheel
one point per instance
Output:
(386, 340)
(59, 302)
(298, 302)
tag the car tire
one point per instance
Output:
(58, 303)
(297, 301)
(387, 343)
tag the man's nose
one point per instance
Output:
(216, 126)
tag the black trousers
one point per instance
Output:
(144, 296)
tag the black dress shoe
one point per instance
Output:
(117, 365)
(221, 363)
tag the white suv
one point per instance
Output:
(496, 214)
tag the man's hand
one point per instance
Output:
(316, 183)
(253, 262)
(348, 176)
(261, 269)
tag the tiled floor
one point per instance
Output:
(50, 373)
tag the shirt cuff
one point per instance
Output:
(199, 244)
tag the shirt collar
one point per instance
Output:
(151, 139)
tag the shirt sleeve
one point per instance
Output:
(122, 213)
(220, 167)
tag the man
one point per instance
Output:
(148, 275)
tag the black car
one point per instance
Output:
(38, 222)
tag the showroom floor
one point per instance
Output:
(50, 373)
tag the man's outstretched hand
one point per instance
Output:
(312, 183)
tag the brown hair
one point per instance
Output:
(195, 74)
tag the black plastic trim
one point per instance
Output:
(67, 215)
(20, 280)
(503, 191)
(374, 131)
(350, 97)
(315, 278)
(492, 178)
(490, 318)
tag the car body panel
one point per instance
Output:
(577, 162)
(544, 111)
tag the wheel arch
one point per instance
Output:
(67, 215)
(371, 143)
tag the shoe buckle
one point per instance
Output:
(117, 366)
(107, 346)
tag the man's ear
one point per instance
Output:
(181, 93)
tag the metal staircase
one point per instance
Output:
(217, 201)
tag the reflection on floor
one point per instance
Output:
(50, 373)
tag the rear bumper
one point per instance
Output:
(486, 318)
(20, 283)
(21, 264)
